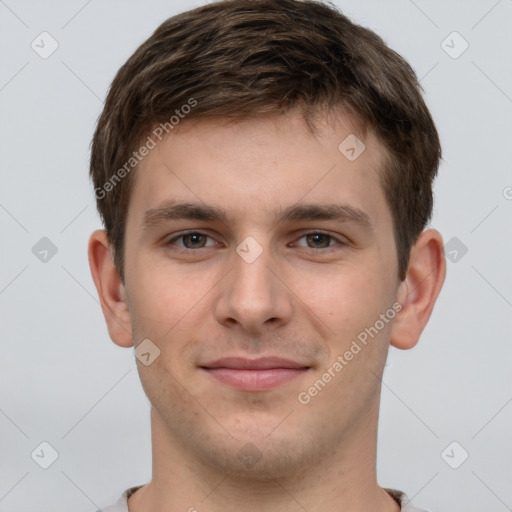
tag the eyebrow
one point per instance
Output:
(195, 211)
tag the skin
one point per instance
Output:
(303, 298)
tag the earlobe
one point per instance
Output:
(111, 291)
(419, 291)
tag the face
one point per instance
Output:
(258, 258)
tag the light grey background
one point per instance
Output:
(64, 382)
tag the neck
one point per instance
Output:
(342, 480)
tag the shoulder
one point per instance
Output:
(404, 502)
(121, 505)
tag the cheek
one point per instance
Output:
(351, 304)
(357, 345)
(170, 306)
(349, 298)
(163, 299)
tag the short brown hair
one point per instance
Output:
(236, 59)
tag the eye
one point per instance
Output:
(318, 240)
(192, 240)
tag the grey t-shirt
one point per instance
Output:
(122, 503)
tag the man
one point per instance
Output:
(264, 169)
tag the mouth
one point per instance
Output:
(260, 374)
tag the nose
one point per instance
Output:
(254, 296)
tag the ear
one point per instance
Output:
(419, 290)
(110, 288)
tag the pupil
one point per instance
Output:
(195, 239)
(317, 239)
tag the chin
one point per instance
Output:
(262, 457)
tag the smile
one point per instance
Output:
(254, 375)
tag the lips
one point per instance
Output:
(262, 363)
(260, 374)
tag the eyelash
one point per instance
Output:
(303, 235)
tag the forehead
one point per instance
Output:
(262, 166)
